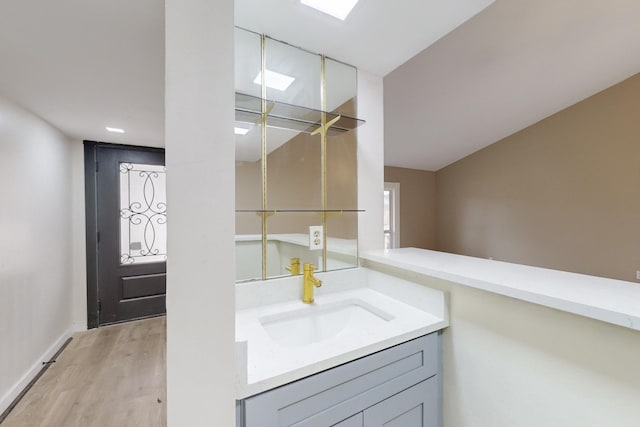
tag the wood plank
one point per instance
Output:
(111, 376)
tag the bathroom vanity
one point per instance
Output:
(401, 383)
(353, 355)
(359, 356)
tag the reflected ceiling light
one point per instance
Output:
(336, 8)
(240, 131)
(275, 80)
(116, 130)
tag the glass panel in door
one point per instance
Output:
(143, 213)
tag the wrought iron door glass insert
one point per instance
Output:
(143, 213)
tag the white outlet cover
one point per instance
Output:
(315, 237)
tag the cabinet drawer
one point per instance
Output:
(332, 396)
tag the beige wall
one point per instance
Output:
(417, 206)
(562, 194)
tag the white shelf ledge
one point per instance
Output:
(609, 300)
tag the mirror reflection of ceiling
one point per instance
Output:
(304, 67)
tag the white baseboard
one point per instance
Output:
(15, 391)
(79, 326)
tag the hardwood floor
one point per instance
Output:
(111, 376)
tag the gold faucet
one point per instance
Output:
(294, 268)
(308, 283)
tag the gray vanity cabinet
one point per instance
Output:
(355, 421)
(414, 407)
(399, 386)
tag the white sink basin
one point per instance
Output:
(284, 341)
(315, 323)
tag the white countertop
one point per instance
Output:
(608, 300)
(264, 363)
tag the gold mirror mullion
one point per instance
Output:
(264, 153)
(323, 130)
(323, 158)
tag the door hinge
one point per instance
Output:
(99, 305)
(98, 236)
(97, 166)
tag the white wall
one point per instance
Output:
(35, 246)
(370, 162)
(510, 363)
(79, 243)
(200, 156)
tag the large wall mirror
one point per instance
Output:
(296, 164)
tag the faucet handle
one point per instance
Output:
(309, 267)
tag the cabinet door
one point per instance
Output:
(239, 414)
(355, 421)
(414, 407)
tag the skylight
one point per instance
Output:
(337, 8)
(116, 130)
(275, 80)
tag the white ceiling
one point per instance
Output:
(84, 65)
(377, 36)
(510, 66)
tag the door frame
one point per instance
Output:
(394, 212)
(91, 219)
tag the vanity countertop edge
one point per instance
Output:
(262, 365)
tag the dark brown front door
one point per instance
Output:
(131, 233)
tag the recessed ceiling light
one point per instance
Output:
(336, 8)
(116, 130)
(275, 80)
(240, 131)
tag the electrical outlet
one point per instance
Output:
(316, 240)
(637, 275)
